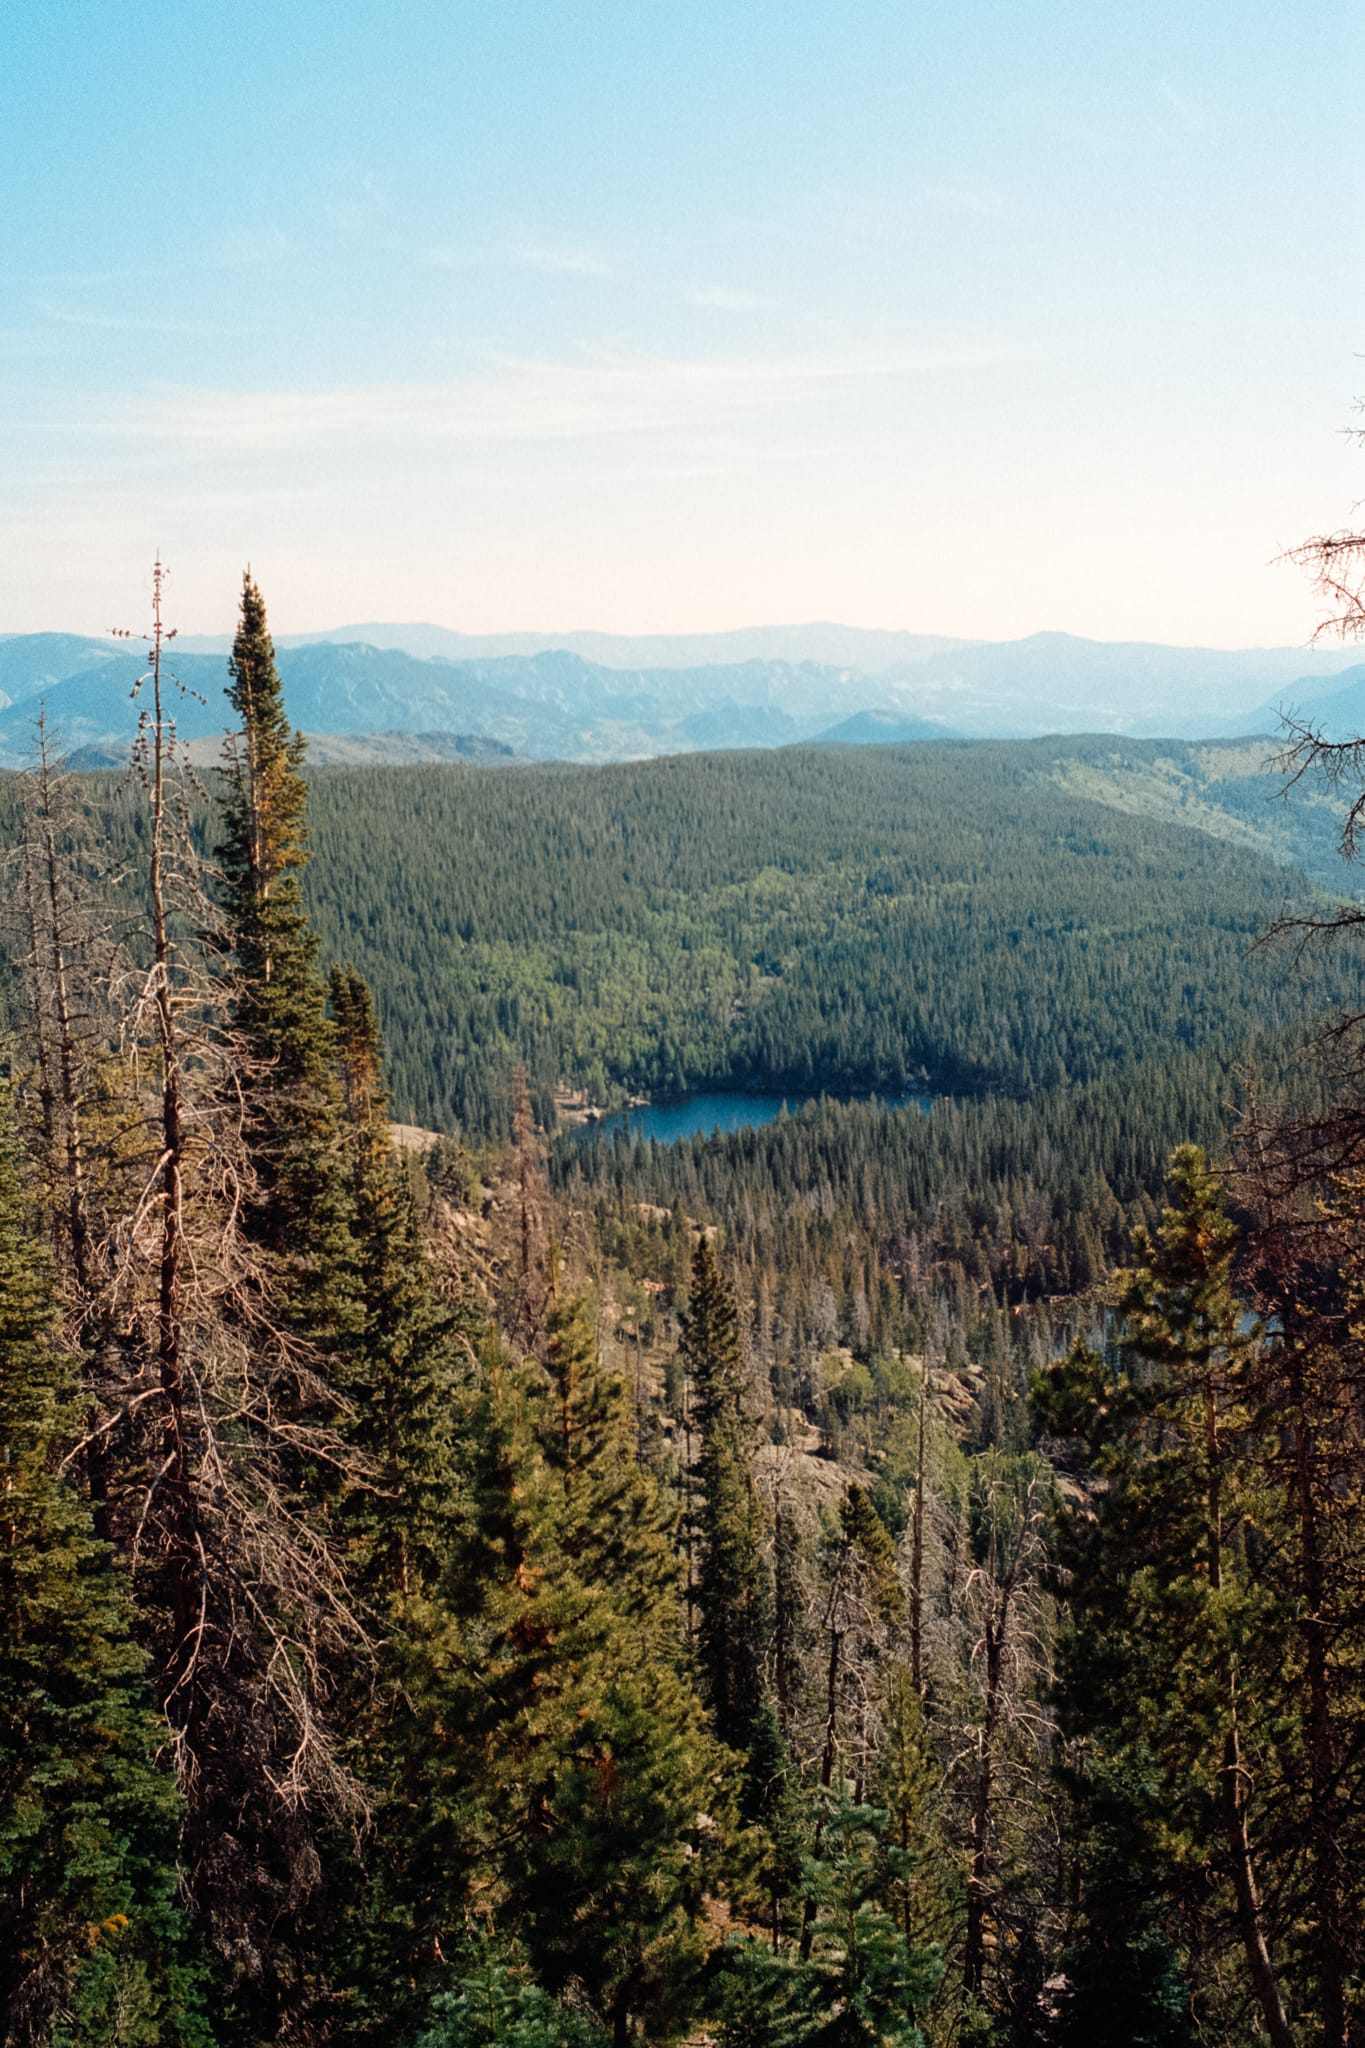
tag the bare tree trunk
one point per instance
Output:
(917, 1543)
(59, 934)
(179, 1521)
(689, 1529)
(831, 1710)
(59, 968)
(47, 1094)
(978, 1882)
(1323, 1804)
(1250, 1918)
(826, 1770)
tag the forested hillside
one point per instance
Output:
(966, 919)
(883, 1580)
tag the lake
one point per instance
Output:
(721, 1110)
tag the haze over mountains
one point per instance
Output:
(386, 692)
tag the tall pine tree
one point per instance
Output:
(400, 1371)
(1171, 1664)
(734, 1581)
(299, 1211)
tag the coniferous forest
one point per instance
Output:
(885, 1579)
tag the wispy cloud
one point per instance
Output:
(530, 401)
(965, 196)
(727, 300)
(558, 261)
(107, 321)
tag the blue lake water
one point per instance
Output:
(721, 1110)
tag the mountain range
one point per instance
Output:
(419, 692)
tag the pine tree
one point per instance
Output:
(1008, 1505)
(94, 1950)
(856, 1982)
(862, 1607)
(734, 1589)
(772, 1804)
(1172, 1660)
(1306, 1277)
(1124, 1986)
(224, 1435)
(399, 1366)
(298, 1213)
(546, 1756)
(498, 2004)
(520, 1204)
(902, 1781)
(608, 1887)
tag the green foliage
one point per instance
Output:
(856, 1982)
(546, 1753)
(1169, 1669)
(610, 1525)
(951, 917)
(608, 1890)
(297, 1213)
(400, 1363)
(734, 1589)
(497, 2004)
(766, 1879)
(95, 1950)
(1124, 1986)
(264, 806)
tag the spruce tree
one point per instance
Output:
(608, 1886)
(543, 1755)
(771, 1803)
(94, 1947)
(399, 1368)
(1171, 1664)
(298, 1212)
(734, 1586)
(498, 2004)
(1124, 1986)
(856, 1982)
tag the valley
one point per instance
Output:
(732, 1192)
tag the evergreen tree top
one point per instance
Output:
(267, 797)
(255, 689)
(712, 1346)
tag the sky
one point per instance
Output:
(669, 315)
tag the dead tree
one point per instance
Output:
(222, 1420)
(1004, 1607)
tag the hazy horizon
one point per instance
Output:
(1327, 650)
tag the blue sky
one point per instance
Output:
(983, 319)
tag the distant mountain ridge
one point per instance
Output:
(31, 661)
(551, 705)
(554, 702)
(870, 650)
(1335, 708)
